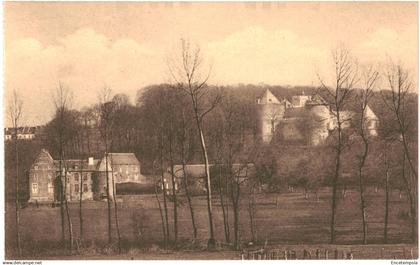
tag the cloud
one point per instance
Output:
(85, 61)
(255, 55)
(384, 42)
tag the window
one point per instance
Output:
(35, 178)
(85, 188)
(85, 177)
(76, 188)
(50, 188)
(76, 176)
(35, 188)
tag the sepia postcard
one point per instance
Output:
(210, 131)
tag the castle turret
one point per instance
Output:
(270, 112)
(319, 120)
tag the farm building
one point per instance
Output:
(196, 175)
(23, 133)
(86, 177)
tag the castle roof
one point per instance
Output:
(268, 98)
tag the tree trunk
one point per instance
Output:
(117, 224)
(61, 194)
(386, 204)
(175, 202)
(225, 220)
(362, 195)
(185, 176)
(411, 200)
(68, 213)
(161, 218)
(17, 204)
(79, 149)
(211, 242)
(234, 197)
(187, 192)
(165, 205)
(80, 201)
(334, 188)
(251, 211)
(108, 195)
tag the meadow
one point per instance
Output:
(293, 221)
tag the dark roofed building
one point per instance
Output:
(23, 133)
(84, 177)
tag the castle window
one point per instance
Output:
(76, 188)
(85, 188)
(76, 177)
(50, 188)
(34, 188)
(85, 177)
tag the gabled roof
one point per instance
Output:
(268, 98)
(198, 170)
(123, 159)
(317, 100)
(74, 165)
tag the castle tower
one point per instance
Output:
(270, 112)
(319, 120)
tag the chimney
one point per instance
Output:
(90, 161)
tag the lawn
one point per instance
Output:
(295, 221)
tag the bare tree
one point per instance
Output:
(369, 80)
(396, 100)
(106, 119)
(15, 112)
(183, 151)
(386, 161)
(345, 79)
(187, 72)
(62, 99)
(161, 213)
(117, 223)
(164, 184)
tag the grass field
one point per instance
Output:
(296, 220)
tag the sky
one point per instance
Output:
(126, 45)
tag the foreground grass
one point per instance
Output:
(294, 221)
(396, 251)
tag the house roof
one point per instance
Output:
(316, 100)
(198, 170)
(74, 165)
(123, 159)
(21, 130)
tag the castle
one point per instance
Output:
(304, 120)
